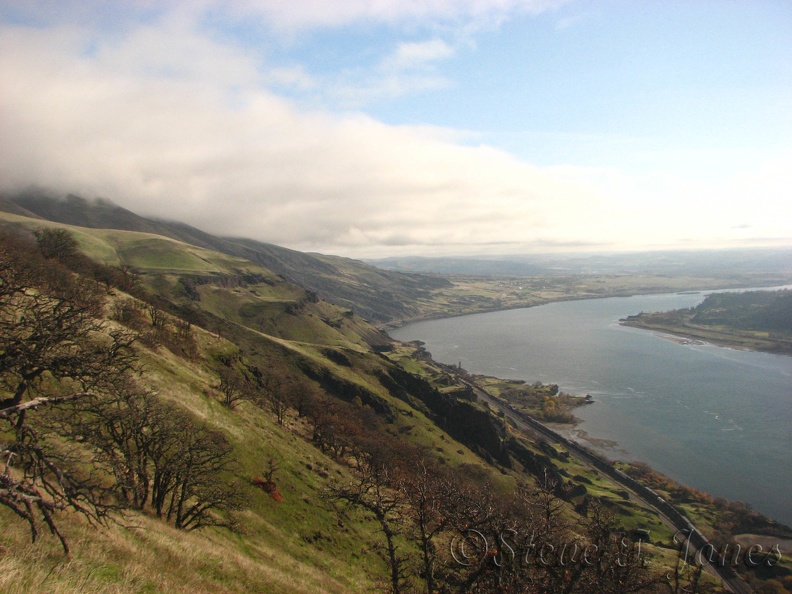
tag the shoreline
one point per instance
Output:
(680, 337)
(442, 315)
(605, 447)
(600, 452)
(401, 322)
(604, 451)
(706, 337)
(608, 449)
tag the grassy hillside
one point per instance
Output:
(385, 297)
(274, 548)
(323, 402)
(375, 294)
(292, 545)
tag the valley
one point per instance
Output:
(330, 429)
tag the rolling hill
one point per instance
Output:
(355, 461)
(375, 294)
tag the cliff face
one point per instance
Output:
(455, 412)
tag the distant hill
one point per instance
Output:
(703, 263)
(756, 320)
(476, 266)
(374, 294)
(763, 311)
(8, 206)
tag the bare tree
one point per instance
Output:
(688, 573)
(158, 319)
(232, 385)
(372, 492)
(202, 458)
(273, 466)
(429, 495)
(128, 280)
(272, 392)
(54, 349)
(189, 466)
(160, 457)
(57, 243)
(619, 565)
(121, 429)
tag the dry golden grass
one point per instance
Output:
(150, 556)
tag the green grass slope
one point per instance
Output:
(237, 308)
(275, 548)
(374, 294)
(295, 545)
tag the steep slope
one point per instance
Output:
(323, 393)
(10, 207)
(232, 288)
(374, 294)
(296, 542)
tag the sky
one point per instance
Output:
(373, 128)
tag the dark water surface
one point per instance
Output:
(713, 418)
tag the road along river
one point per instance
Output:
(710, 417)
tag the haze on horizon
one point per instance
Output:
(412, 127)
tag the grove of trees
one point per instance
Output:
(73, 413)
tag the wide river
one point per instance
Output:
(713, 418)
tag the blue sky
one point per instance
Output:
(385, 127)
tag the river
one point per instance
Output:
(713, 418)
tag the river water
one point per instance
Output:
(710, 417)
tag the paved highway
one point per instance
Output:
(669, 514)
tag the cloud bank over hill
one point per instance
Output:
(170, 114)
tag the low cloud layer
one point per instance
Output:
(172, 122)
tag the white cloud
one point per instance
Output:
(170, 122)
(332, 13)
(294, 77)
(418, 54)
(161, 136)
(284, 16)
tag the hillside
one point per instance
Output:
(760, 311)
(375, 294)
(757, 320)
(342, 461)
(391, 297)
(297, 542)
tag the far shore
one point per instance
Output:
(608, 450)
(681, 337)
(705, 336)
(398, 323)
(545, 300)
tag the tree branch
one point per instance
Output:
(36, 402)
